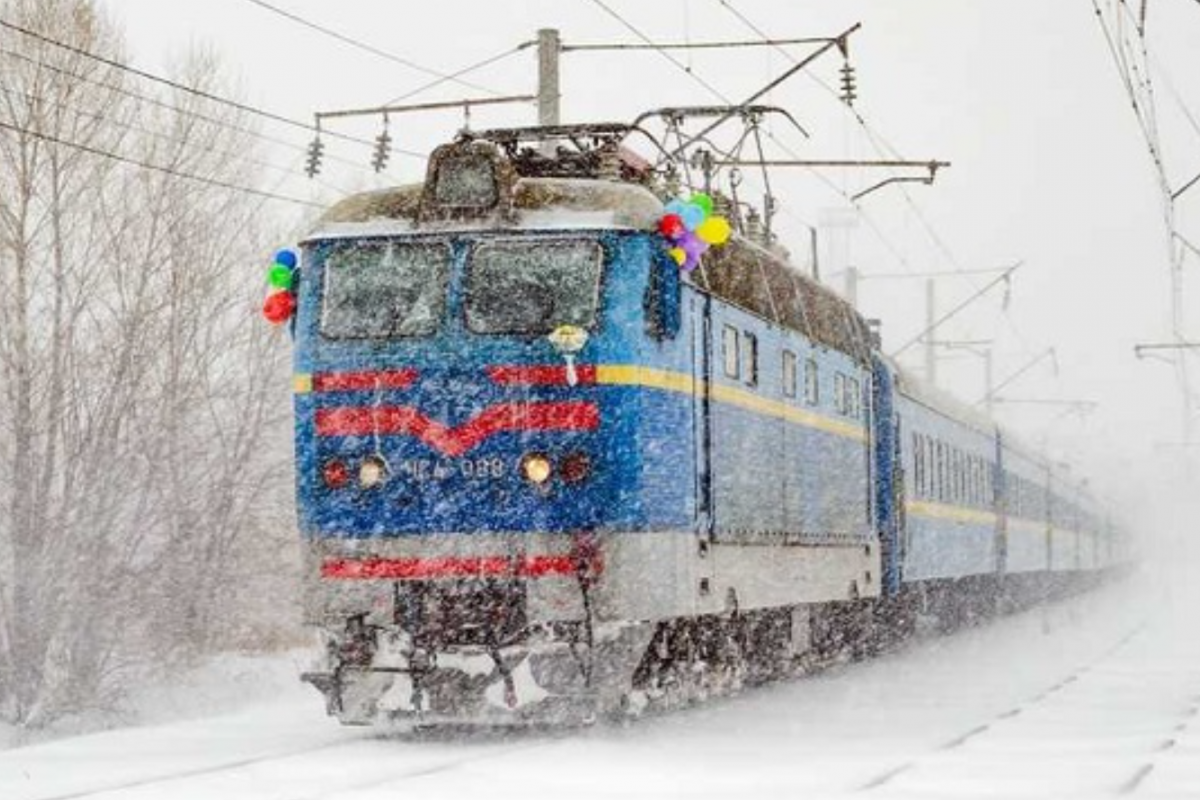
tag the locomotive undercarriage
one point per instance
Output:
(462, 652)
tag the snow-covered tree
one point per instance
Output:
(142, 425)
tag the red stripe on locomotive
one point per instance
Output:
(365, 421)
(363, 381)
(456, 567)
(540, 375)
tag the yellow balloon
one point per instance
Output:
(714, 230)
(679, 254)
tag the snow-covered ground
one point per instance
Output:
(1095, 697)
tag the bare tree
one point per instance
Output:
(142, 436)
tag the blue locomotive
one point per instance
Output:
(543, 473)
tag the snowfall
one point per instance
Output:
(1093, 697)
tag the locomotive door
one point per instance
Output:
(702, 360)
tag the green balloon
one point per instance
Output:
(702, 200)
(280, 277)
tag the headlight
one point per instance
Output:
(373, 472)
(536, 468)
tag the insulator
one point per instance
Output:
(315, 150)
(383, 150)
(849, 89)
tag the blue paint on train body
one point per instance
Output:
(480, 490)
(888, 511)
(709, 449)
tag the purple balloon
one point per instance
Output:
(693, 245)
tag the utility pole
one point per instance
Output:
(549, 45)
(851, 285)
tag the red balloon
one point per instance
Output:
(279, 307)
(671, 226)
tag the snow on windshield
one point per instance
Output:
(383, 289)
(532, 286)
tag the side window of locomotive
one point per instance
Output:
(750, 357)
(918, 465)
(845, 395)
(812, 390)
(376, 290)
(532, 287)
(729, 351)
(789, 373)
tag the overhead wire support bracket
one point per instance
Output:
(1003, 277)
(386, 110)
(1139, 350)
(677, 114)
(1176, 194)
(840, 42)
(693, 45)
(1049, 352)
(932, 166)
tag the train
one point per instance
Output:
(545, 474)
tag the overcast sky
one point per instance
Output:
(1049, 167)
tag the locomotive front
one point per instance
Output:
(457, 465)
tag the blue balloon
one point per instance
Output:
(692, 215)
(674, 207)
(287, 258)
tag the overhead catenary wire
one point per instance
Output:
(157, 167)
(824, 179)
(366, 48)
(679, 64)
(884, 149)
(159, 103)
(209, 96)
(487, 62)
(1139, 89)
(128, 126)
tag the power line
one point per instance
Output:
(632, 29)
(884, 149)
(157, 167)
(184, 111)
(366, 48)
(78, 112)
(696, 77)
(464, 71)
(259, 112)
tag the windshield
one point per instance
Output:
(532, 287)
(385, 289)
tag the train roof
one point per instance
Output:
(536, 203)
(761, 280)
(476, 185)
(939, 401)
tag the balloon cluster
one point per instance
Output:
(281, 303)
(691, 228)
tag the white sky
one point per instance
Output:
(1022, 97)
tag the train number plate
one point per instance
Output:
(428, 469)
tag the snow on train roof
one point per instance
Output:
(940, 401)
(537, 203)
(948, 405)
